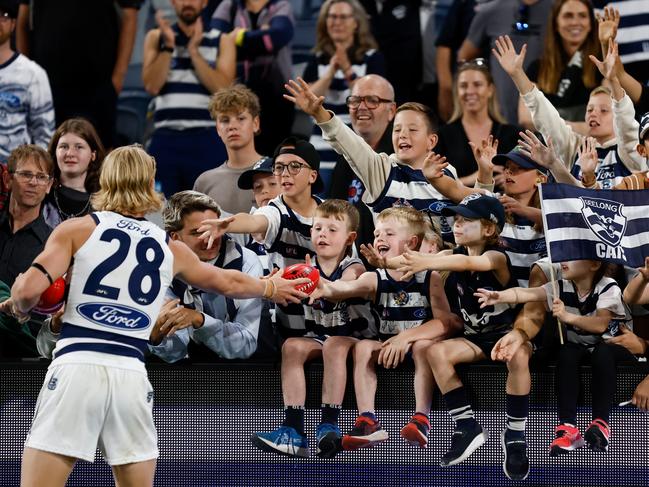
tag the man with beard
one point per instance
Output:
(183, 65)
(26, 108)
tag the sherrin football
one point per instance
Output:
(298, 271)
(52, 298)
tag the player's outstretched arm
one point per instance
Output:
(233, 284)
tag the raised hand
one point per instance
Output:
(509, 59)
(533, 148)
(304, 98)
(484, 152)
(414, 262)
(487, 297)
(213, 228)
(608, 67)
(587, 155)
(166, 31)
(607, 24)
(434, 166)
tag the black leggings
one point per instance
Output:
(604, 359)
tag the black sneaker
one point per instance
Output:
(516, 465)
(464, 442)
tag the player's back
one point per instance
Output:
(117, 286)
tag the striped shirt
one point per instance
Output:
(477, 321)
(26, 108)
(610, 170)
(351, 317)
(605, 295)
(287, 241)
(524, 245)
(633, 31)
(182, 102)
(401, 305)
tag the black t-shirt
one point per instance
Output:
(454, 144)
(456, 24)
(75, 41)
(18, 250)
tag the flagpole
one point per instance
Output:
(553, 277)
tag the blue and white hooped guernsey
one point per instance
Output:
(610, 170)
(117, 287)
(401, 305)
(409, 187)
(524, 245)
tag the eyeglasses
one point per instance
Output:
(26, 177)
(371, 101)
(341, 17)
(478, 62)
(293, 167)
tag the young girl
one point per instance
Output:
(331, 332)
(478, 261)
(591, 307)
(78, 152)
(413, 313)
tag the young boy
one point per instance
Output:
(389, 179)
(402, 308)
(339, 324)
(284, 225)
(236, 113)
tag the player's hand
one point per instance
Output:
(507, 346)
(285, 289)
(393, 351)
(156, 333)
(212, 229)
(56, 323)
(487, 297)
(641, 395)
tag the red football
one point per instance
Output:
(298, 271)
(52, 298)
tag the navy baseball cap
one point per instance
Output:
(9, 7)
(644, 127)
(262, 166)
(306, 151)
(477, 206)
(516, 155)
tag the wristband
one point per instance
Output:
(162, 47)
(239, 39)
(526, 337)
(269, 290)
(38, 266)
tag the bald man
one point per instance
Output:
(372, 109)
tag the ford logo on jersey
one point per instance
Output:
(114, 315)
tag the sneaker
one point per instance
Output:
(366, 433)
(597, 435)
(416, 431)
(283, 440)
(516, 465)
(463, 443)
(568, 438)
(328, 437)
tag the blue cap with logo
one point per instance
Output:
(477, 206)
(262, 166)
(517, 156)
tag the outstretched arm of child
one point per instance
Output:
(637, 292)
(212, 229)
(590, 324)
(512, 295)
(363, 287)
(490, 260)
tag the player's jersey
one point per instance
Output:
(117, 286)
(401, 305)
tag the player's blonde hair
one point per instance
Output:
(413, 218)
(126, 182)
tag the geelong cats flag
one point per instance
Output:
(598, 224)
